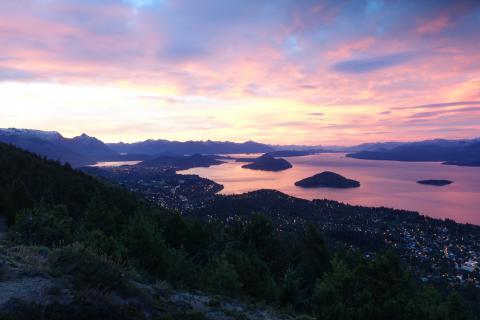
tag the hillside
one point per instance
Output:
(92, 250)
(28, 179)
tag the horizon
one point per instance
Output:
(241, 141)
(325, 72)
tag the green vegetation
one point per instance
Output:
(99, 232)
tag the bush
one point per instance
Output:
(145, 245)
(43, 225)
(181, 270)
(220, 277)
(90, 270)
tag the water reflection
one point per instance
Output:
(383, 183)
(115, 163)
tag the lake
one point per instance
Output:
(115, 163)
(383, 183)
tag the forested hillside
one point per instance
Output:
(110, 250)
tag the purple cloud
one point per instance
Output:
(373, 64)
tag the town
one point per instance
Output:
(161, 185)
(440, 252)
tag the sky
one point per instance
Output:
(273, 71)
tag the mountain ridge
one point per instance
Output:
(78, 151)
(153, 147)
(87, 150)
(456, 152)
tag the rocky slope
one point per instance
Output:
(33, 282)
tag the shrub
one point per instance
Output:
(43, 225)
(220, 277)
(144, 243)
(89, 269)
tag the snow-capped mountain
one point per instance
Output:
(31, 133)
(78, 151)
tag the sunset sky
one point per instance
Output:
(304, 72)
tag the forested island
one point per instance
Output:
(327, 179)
(268, 163)
(433, 182)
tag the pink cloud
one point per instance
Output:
(435, 25)
(282, 58)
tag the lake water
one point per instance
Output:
(115, 163)
(383, 183)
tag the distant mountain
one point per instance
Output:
(295, 147)
(333, 148)
(373, 146)
(79, 151)
(293, 153)
(48, 144)
(85, 150)
(153, 147)
(457, 152)
(91, 146)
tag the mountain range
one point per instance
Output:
(86, 150)
(78, 151)
(455, 152)
(154, 147)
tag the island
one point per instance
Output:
(438, 183)
(327, 179)
(268, 163)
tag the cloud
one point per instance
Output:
(447, 104)
(9, 74)
(142, 61)
(443, 112)
(308, 86)
(434, 26)
(373, 64)
(179, 52)
(141, 3)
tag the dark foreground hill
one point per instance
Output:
(81, 249)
